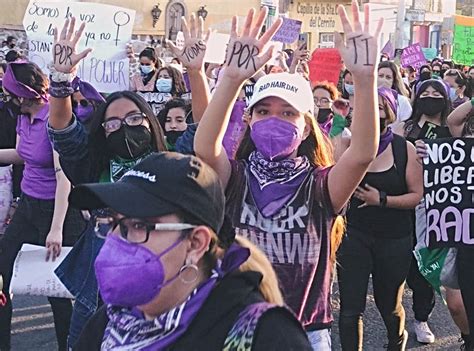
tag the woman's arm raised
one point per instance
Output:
(65, 60)
(458, 118)
(240, 66)
(192, 57)
(360, 54)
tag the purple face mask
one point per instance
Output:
(129, 275)
(83, 113)
(275, 138)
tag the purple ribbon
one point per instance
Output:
(13, 86)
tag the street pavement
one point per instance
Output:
(33, 327)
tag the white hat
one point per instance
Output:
(292, 88)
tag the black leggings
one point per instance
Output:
(31, 224)
(465, 265)
(388, 260)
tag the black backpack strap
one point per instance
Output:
(400, 156)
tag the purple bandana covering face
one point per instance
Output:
(129, 330)
(13, 86)
(385, 140)
(273, 183)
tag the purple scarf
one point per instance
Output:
(273, 183)
(87, 90)
(326, 126)
(129, 330)
(385, 140)
(13, 86)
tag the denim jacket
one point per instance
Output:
(77, 271)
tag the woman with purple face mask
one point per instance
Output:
(378, 238)
(281, 190)
(85, 100)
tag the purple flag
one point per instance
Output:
(389, 50)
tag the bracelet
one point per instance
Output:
(60, 90)
(60, 77)
(383, 198)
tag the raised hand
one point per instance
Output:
(360, 51)
(195, 44)
(65, 57)
(244, 53)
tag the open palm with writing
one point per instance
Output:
(195, 44)
(360, 49)
(244, 53)
(65, 57)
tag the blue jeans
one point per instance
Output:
(320, 340)
(77, 273)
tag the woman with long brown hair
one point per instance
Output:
(281, 191)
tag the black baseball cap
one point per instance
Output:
(163, 183)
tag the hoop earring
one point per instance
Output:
(191, 266)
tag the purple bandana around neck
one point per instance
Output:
(17, 88)
(129, 330)
(273, 183)
(87, 90)
(385, 140)
(326, 126)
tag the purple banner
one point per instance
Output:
(413, 56)
(288, 32)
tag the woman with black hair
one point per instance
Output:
(176, 120)
(42, 216)
(145, 80)
(459, 87)
(122, 132)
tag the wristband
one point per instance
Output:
(60, 77)
(383, 199)
(472, 102)
(60, 89)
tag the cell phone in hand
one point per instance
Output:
(303, 41)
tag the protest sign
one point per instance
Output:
(448, 178)
(413, 56)
(433, 131)
(32, 275)
(326, 65)
(248, 88)
(289, 31)
(430, 53)
(463, 51)
(180, 40)
(156, 101)
(389, 50)
(108, 30)
(216, 48)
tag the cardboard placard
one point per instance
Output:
(448, 178)
(325, 65)
(289, 31)
(216, 48)
(463, 53)
(32, 275)
(413, 56)
(108, 30)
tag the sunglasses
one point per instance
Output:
(83, 103)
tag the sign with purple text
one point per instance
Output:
(413, 56)
(289, 31)
(448, 178)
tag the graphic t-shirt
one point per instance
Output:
(296, 241)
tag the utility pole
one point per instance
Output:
(399, 34)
